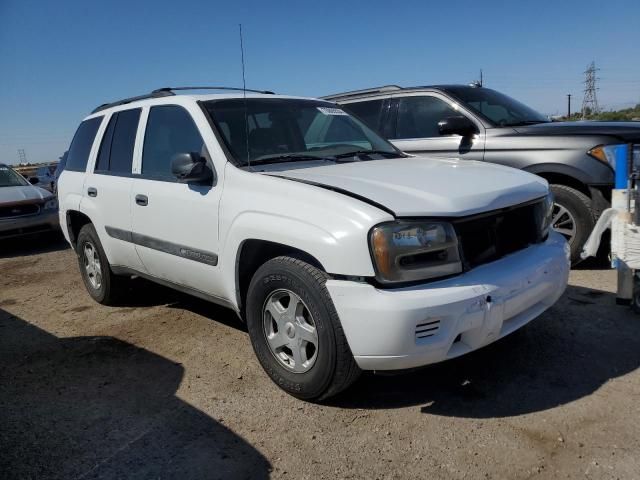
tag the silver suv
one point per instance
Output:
(477, 123)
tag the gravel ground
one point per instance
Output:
(167, 386)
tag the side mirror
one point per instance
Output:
(190, 167)
(459, 125)
(34, 180)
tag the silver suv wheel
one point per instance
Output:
(563, 222)
(290, 331)
(92, 265)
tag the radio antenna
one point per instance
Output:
(244, 96)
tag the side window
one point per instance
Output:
(418, 117)
(116, 151)
(81, 145)
(170, 130)
(368, 112)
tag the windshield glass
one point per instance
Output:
(496, 107)
(10, 178)
(279, 129)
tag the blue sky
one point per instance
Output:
(59, 59)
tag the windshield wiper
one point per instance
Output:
(357, 153)
(286, 157)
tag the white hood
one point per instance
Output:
(22, 194)
(421, 186)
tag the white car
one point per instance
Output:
(340, 252)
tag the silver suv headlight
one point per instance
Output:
(405, 251)
(51, 204)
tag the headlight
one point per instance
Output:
(605, 153)
(547, 212)
(51, 204)
(405, 251)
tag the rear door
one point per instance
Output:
(107, 198)
(175, 225)
(415, 127)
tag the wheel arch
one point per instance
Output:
(254, 252)
(562, 175)
(75, 221)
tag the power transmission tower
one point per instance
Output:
(590, 100)
(22, 156)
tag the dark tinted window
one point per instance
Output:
(418, 117)
(369, 112)
(124, 137)
(170, 130)
(497, 107)
(81, 144)
(342, 129)
(102, 162)
(116, 150)
(290, 130)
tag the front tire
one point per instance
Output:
(295, 330)
(101, 283)
(572, 217)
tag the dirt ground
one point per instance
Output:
(167, 386)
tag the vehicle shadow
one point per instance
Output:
(33, 245)
(568, 353)
(144, 293)
(98, 407)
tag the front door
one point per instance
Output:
(175, 225)
(416, 128)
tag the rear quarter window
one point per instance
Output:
(81, 145)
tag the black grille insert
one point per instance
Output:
(19, 210)
(488, 237)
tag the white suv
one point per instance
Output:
(340, 252)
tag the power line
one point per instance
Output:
(590, 100)
(22, 156)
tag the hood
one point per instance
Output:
(421, 186)
(627, 131)
(22, 194)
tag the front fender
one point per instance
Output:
(339, 251)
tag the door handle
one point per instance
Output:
(142, 200)
(92, 192)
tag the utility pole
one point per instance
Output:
(22, 156)
(481, 80)
(568, 106)
(590, 100)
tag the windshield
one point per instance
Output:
(9, 178)
(283, 130)
(496, 107)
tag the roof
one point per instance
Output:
(163, 93)
(392, 88)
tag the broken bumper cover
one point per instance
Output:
(402, 328)
(44, 221)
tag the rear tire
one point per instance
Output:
(573, 218)
(102, 284)
(289, 308)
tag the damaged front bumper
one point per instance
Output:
(392, 329)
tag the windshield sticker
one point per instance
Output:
(332, 111)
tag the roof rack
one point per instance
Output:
(168, 91)
(154, 94)
(355, 93)
(234, 89)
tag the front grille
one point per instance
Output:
(19, 210)
(488, 237)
